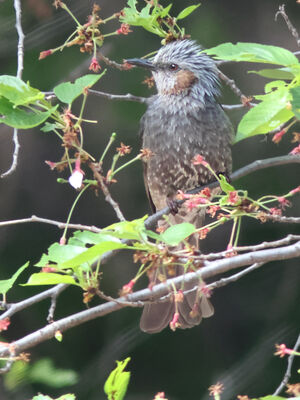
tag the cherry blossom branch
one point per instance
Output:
(282, 218)
(128, 96)
(21, 305)
(21, 37)
(290, 26)
(104, 188)
(240, 173)
(288, 372)
(59, 224)
(264, 245)
(209, 270)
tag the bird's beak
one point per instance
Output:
(139, 62)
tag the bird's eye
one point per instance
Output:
(173, 67)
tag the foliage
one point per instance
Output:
(76, 259)
(275, 107)
(116, 384)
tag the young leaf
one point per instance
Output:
(127, 229)
(67, 92)
(45, 278)
(275, 73)
(296, 101)
(253, 52)
(20, 118)
(7, 284)
(187, 11)
(176, 233)
(58, 254)
(116, 384)
(17, 91)
(92, 253)
(45, 372)
(225, 186)
(265, 116)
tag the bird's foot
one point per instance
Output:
(173, 206)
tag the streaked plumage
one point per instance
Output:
(183, 120)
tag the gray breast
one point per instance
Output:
(175, 135)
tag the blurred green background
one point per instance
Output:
(235, 346)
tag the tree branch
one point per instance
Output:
(16, 307)
(17, 6)
(290, 26)
(95, 168)
(288, 372)
(128, 96)
(209, 270)
(240, 173)
(60, 225)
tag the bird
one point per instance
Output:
(184, 119)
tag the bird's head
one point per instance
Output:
(179, 68)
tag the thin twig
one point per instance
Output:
(290, 26)
(231, 83)
(121, 67)
(240, 173)
(16, 307)
(128, 96)
(58, 290)
(60, 225)
(21, 37)
(104, 188)
(288, 372)
(282, 218)
(209, 270)
(233, 278)
(238, 249)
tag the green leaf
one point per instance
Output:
(225, 186)
(67, 92)
(92, 254)
(271, 397)
(17, 91)
(187, 11)
(116, 384)
(165, 11)
(68, 396)
(7, 284)
(274, 73)
(143, 18)
(176, 233)
(16, 376)
(20, 118)
(45, 372)
(85, 237)
(58, 254)
(45, 278)
(253, 52)
(48, 127)
(296, 101)
(265, 116)
(133, 230)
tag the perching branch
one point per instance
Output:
(209, 270)
(21, 37)
(240, 173)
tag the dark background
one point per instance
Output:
(235, 346)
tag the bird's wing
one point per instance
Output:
(141, 133)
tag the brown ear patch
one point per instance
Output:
(184, 80)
